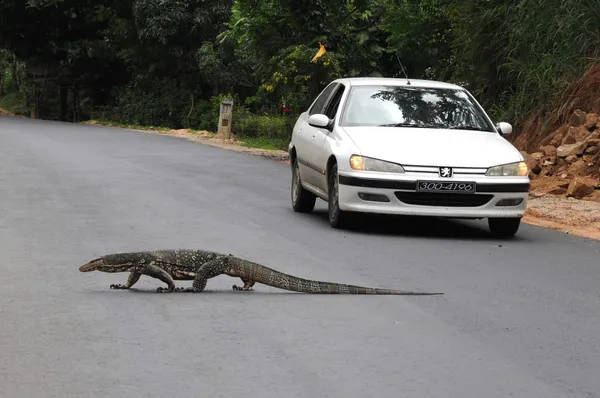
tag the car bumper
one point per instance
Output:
(492, 198)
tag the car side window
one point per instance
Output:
(335, 102)
(322, 100)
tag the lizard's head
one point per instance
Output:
(121, 262)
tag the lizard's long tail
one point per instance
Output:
(268, 276)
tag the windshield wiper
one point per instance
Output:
(400, 125)
(466, 128)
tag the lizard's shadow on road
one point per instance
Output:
(417, 226)
(207, 291)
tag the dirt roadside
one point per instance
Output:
(545, 209)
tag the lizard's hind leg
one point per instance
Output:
(198, 285)
(247, 285)
(209, 270)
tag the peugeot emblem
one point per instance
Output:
(445, 172)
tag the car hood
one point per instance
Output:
(433, 147)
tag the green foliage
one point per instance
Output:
(263, 131)
(296, 80)
(169, 62)
(263, 126)
(272, 143)
(519, 56)
(14, 102)
(158, 104)
(419, 32)
(201, 117)
(278, 39)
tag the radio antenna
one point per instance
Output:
(403, 71)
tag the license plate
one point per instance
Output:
(441, 186)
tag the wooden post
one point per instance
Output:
(225, 119)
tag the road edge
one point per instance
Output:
(208, 138)
(539, 218)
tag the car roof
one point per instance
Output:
(367, 81)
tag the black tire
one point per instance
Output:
(337, 218)
(303, 201)
(504, 227)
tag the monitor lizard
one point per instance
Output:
(201, 265)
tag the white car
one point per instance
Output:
(406, 147)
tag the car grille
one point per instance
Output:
(442, 199)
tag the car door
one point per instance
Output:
(305, 135)
(323, 138)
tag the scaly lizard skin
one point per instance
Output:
(201, 265)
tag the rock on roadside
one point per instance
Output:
(581, 187)
(569, 154)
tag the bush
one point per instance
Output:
(265, 131)
(156, 104)
(263, 126)
(163, 105)
(14, 102)
(201, 117)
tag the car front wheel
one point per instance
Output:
(303, 201)
(337, 218)
(504, 227)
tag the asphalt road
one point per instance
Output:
(520, 320)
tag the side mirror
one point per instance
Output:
(504, 128)
(319, 120)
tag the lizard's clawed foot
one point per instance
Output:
(241, 288)
(165, 290)
(118, 286)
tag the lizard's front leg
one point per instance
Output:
(247, 285)
(158, 273)
(134, 276)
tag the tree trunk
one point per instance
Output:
(63, 103)
(75, 104)
(36, 105)
(14, 80)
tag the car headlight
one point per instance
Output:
(514, 169)
(369, 164)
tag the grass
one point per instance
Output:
(268, 143)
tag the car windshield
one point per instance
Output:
(419, 107)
